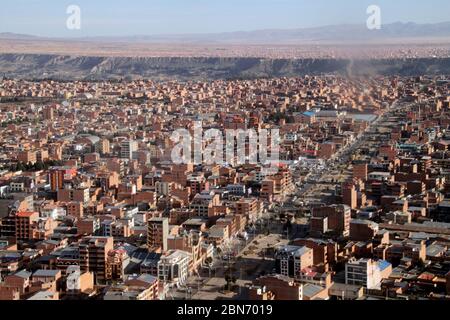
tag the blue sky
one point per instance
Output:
(144, 17)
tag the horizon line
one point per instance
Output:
(30, 35)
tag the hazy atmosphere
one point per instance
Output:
(148, 17)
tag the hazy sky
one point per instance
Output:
(144, 17)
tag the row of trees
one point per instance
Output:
(38, 166)
(17, 121)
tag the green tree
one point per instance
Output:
(39, 166)
(29, 166)
(20, 167)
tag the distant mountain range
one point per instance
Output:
(327, 34)
(16, 36)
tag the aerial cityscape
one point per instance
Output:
(310, 164)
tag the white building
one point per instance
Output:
(106, 227)
(364, 272)
(17, 186)
(127, 148)
(174, 267)
(236, 189)
(53, 212)
(163, 188)
(201, 203)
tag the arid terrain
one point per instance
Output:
(73, 67)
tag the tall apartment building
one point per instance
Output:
(363, 272)
(115, 264)
(80, 195)
(360, 171)
(203, 202)
(338, 216)
(127, 148)
(57, 176)
(18, 203)
(174, 267)
(250, 208)
(88, 226)
(24, 225)
(75, 208)
(94, 254)
(104, 146)
(42, 155)
(198, 184)
(27, 156)
(349, 195)
(276, 185)
(158, 231)
(48, 113)
(289, 260)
